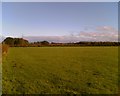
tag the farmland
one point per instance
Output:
(59, 70)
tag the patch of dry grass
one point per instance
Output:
(5, 48)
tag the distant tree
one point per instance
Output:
(9, 41)
(15, 42)
(44, 43)
(23, 42)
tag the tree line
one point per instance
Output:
(20, 42)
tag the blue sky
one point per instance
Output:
(60, 0)
(60, 20)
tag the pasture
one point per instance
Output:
(60, 70)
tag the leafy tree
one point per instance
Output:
(16, 42)
(44, 43)
(9, 41)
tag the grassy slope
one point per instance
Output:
(61, 70)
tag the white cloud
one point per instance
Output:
(106, 28)
(102, 33)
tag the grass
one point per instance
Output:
(60, 70)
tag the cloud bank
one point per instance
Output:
(102, 33)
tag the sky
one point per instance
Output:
(61, 21)
(60, 0)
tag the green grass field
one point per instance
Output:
(52, 70)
